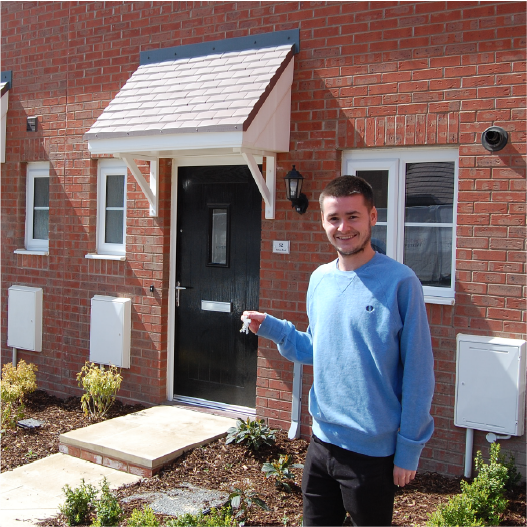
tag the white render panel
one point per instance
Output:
(490, 384)
(24, 317)
(110, 330)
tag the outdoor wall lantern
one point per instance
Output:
(293, 189)
(494, 138)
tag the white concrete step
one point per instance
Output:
(143, 442)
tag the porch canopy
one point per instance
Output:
(228, 97)
(5, 85)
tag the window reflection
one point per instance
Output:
(218, 237)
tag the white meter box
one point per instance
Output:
(490, 384)
(24, 317)
(110, 330)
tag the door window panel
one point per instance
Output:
(219, 236)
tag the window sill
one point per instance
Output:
(443, 300)
(31, 252)
(93, 256)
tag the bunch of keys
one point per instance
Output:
(245, 327)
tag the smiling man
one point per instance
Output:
(369, 343)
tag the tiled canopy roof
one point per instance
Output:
(212, 93)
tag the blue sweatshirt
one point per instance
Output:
(373, 369)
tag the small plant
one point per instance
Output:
(481, 502)
(107, 508)
(144, 518)
(79, 503)
(241, 502)
(280, 470)
(14, 385)
(100, 386)
(215, 518)
(255, 433)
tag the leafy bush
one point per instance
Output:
(215, 518)
(107, 507)
(255, 433)
(100, 386)
(483, 501)
(144, 518)
(14, 385)
(79, 503)
(280, 470)
(241, 502)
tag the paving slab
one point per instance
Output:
(142, 442)
(33, 492)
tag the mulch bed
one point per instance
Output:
(221, 467)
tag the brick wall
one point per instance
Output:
(369, 74)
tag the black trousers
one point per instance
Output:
(336, 480)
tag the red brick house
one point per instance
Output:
(144, 150)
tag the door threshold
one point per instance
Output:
(213, 407)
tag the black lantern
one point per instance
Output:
(293, 189)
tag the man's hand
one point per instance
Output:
(401, 476)
(256, 319)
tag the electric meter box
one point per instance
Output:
(24, 317)
(490, 384)
(110, 330)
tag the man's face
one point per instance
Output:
(348, 222)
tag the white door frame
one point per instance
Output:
(176, 163)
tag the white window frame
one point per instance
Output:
(394, 161)
(34, 170)
(109, 167)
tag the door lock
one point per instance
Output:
(178, 289)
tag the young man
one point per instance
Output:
(369, 343)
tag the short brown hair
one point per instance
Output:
(347, 186)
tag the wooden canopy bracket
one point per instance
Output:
(149, 190)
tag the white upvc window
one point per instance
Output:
(111, 207)
(415, 193)
(37, 207)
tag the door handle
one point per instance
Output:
(178, 289)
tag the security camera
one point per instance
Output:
(494, 138)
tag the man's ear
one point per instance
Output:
(373, 216)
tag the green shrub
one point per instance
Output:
(481, 502)
(79, 503)
(254, 433)
(241, 502)
(280, 470)
(216, 518)
(107, 508)
(100, 386)
(144, 518)
(14, 385)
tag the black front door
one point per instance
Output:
(218, 262)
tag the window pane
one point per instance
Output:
(218, 247)
(428, 251)
(41, 188)
(429, 192)
(41, 224)
(378, 179)
(378, 238)
(115, 191)
(114, 226)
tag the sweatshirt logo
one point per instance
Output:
(369, 309)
